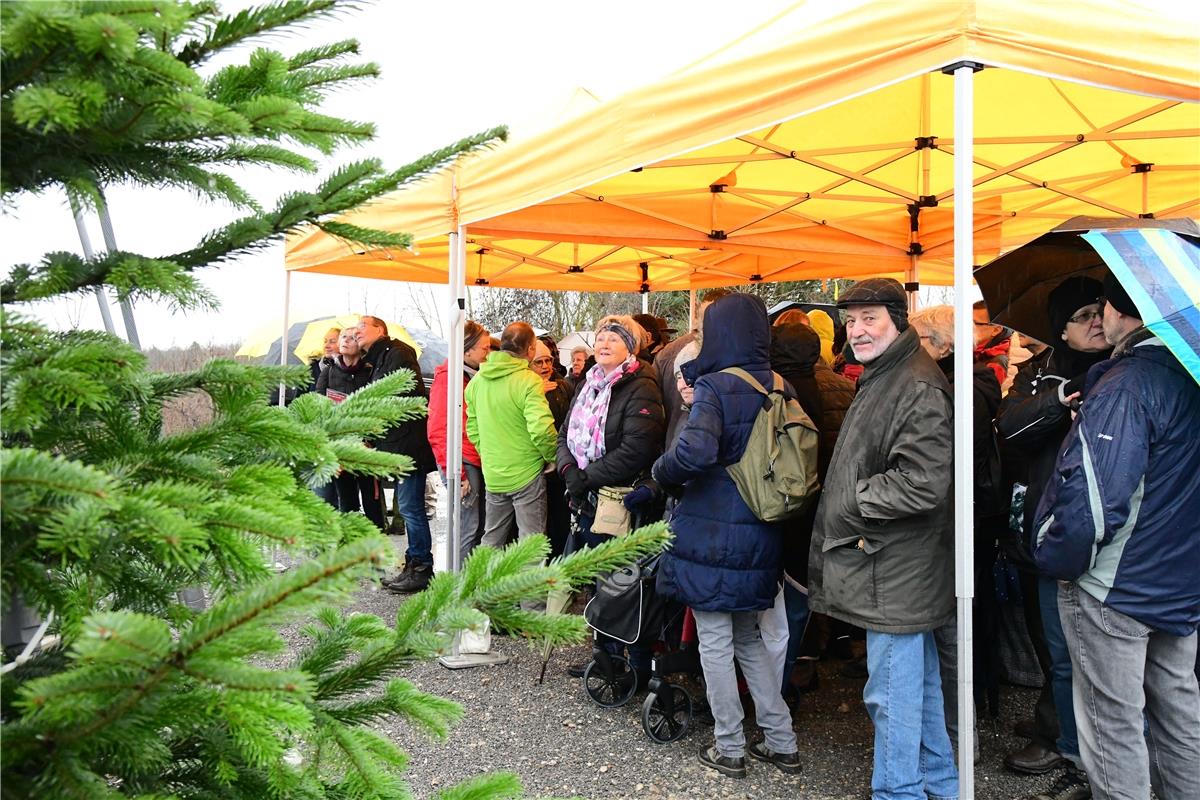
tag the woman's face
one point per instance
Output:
(935, 352)
(479, 353)
(578, 360)
(611, 350)
(543, 365)
(331, 342)
(347, 343)
(1085, 330)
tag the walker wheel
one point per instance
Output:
(667, 713)
(609, 688)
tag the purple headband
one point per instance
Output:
(623, 332)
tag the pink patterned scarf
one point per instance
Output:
(585, 430)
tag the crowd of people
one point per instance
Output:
(1086, 480)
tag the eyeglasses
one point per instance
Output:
(543, 360)
(1086, 317)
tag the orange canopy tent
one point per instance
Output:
(820, 145)
(830, 141)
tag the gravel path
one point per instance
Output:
(561, 744)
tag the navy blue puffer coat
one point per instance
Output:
(723, 557)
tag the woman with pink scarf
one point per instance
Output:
(614, 431)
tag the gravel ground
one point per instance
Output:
(561, 744)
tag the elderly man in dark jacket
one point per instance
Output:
(724, 562)
(1118, 528)
(882, 548)
(386, 355)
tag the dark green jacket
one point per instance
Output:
(882, 554)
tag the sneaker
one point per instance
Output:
(726, 765)
(788, 763)
(1071, 785)
(415, 581)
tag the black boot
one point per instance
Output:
(387, 582)
(415, 581)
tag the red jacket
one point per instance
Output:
(436, 421)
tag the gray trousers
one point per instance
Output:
(527, 504)
(1137, 705)
(723, 637)
(470, 512)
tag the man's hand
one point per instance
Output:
(549, 386)
(464, 488)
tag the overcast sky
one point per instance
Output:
(450, 68)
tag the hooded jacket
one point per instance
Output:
(386, 356)
(633, 432)
(435, 427)
(882, 554)
(1120, 512)
(822, 323)
(985, 400)
(509, 422)
(723, 557)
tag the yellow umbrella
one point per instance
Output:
(306, 338)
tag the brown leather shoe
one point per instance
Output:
(1033, 759)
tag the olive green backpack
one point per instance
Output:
(777, 475)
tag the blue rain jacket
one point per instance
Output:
(723, 558)
(1121, 512)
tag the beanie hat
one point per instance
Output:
(886, 292)
(1116, 296)
(1070, 296)
(632, 343)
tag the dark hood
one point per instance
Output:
(795, 349)
(736, 334)
(984, 382)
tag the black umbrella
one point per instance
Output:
(1016, 286)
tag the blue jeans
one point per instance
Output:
(1060, 670)
(410, 501)
(913, 757)
(795, 604)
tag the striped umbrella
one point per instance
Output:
(1155, 260)
(1161, 272)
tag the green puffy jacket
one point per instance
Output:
(882, 554)
(509, 422)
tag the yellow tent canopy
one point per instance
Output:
(820, 145)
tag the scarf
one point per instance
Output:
(585, 430)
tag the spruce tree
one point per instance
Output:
(106, 519)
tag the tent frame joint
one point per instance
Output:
(481, 281)
(925, 143)
(575, 269)
(719, 236)
(717, 188)
(915, 249)
(1145, 167)
(950, 69)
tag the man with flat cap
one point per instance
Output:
(1117, 526)
(882, 554)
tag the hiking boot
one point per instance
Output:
(386, 582)
(1033, 759)
(726, 765)
(415, 581)
(1071, 785)
(788, 763)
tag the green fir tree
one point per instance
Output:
(108, 521)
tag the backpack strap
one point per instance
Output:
(758, 387)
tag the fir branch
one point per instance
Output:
(253, 22)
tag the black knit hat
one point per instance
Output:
(886, 292)
(1070, 296)
(1118, 298)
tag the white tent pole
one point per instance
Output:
(85, 242)
(645, 302)
(110, 243)
(454, 398)
(964, 481)
(283, 341)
